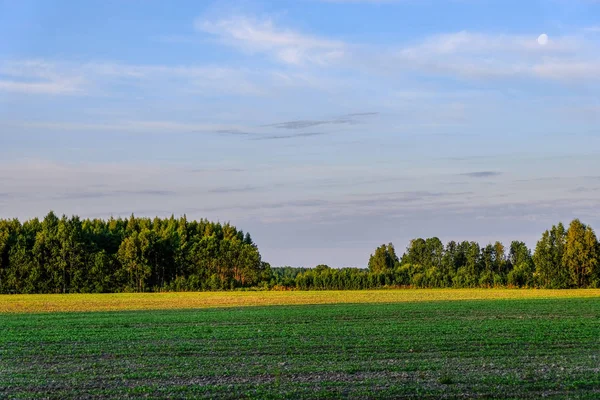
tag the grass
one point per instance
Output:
(160, 301)
(528, 347)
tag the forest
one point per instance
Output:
(74, 255)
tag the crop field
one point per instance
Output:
(161, 301)
(487, 344)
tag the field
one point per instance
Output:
(419, 344)
(162, 301)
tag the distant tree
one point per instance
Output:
(519, 254)
(550, 271)
(416, 252)
(384, 259)
(132, 257)
(321, 268)
(581, 256)
(8, 234)
(473, 264)
(520, 265)
(65, 255)
(434, 252)
(454, 258)
(427, 253)
(501, 264)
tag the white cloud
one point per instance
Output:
(459, 54)
(131, 126)
(287, 46)
(486, 56)
(38, 77)
(568, 70)
(188, 78)
(67, 77)
(464, 55)
(54, 88)
(479, 43)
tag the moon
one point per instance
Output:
(542, 39)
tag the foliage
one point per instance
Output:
(383, 260)
(581, 254)
(70, 255)
(548, 258)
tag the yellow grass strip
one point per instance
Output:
(156, 301)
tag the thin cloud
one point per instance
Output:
(87, 78)
(582, 189)
(212, 170)
(568, 70)
(52, 88)
(293, 136)
(482, 174)
(262, 36)
(132, 127)
(362, 114)
(233, 132)
(542, 179)
(298, 124)
(306, 124)
(465, 42)
(115, 193)
(302, 124)
(240, 189)
(372, 204)
(485, 56)
(469, 55)
(38, 77)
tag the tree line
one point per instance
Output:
(68, 255)
(563, 258)
(73, 255)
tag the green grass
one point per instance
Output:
(472, 348)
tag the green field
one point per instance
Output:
(511, 348)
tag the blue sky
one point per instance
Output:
(324, 128)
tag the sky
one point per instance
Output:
(323, 128)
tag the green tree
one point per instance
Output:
(473, 264)
(550, 271)
(520, 264)
(581, 253)
(131, 256)
(426, 252)
(384, 259)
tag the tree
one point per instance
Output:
(473, 264)
(434, 252)
(322, 267)
(8, 234)
(520, 265)
(131, 256)
(417, 253)
(141, 254)
(384, 259)
(519, 254)
(581, 253)
(548, 258)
